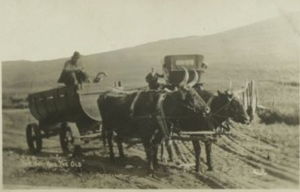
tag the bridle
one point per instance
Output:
(224, 107)
(215, 114)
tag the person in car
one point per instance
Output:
(152, 79)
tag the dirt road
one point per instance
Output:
(257, 157)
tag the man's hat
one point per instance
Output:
(76, 54)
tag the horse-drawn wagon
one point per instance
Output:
(73, 112)
(59, 110)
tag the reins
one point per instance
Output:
(215, 114)
(221, 108)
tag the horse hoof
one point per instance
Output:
(210, 169)
(199, 171)
(151, 174)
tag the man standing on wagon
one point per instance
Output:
(73, 71)
(152, 79)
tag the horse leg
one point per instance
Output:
(120, 147)
(162, 146)
(166, 144)
(197, 149)
(110, 145)
(149, 154)
(103, 137)
(169, 150)
(208, 155)
(155, 161)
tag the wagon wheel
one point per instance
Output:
(34, 138)
(67, 142)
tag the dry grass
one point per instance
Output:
(271, 116)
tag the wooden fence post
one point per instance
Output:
(254, 101)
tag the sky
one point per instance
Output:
(50, 29)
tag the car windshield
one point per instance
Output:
(185, 62)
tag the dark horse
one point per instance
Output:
(149, 116)
(224, 106)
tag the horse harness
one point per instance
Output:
(227, 122)
(160, 115)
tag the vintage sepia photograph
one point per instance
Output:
(150, 94)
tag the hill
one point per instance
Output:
(269, 47)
